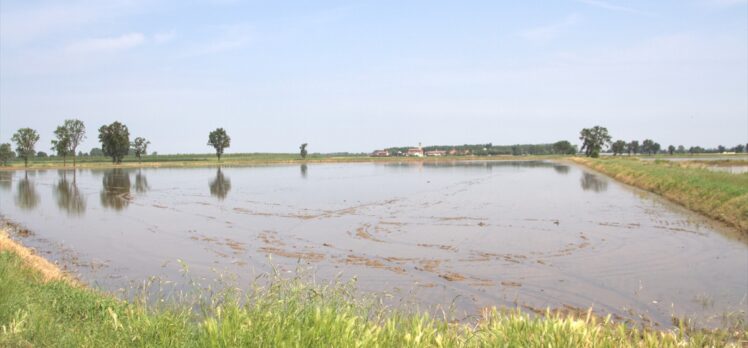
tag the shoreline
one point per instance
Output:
(49, 271)
(690, 197)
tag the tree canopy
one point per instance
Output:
(302, 150)
(6, 154)
(25, 139)
(140, 146)
(593, 139)
(115, 141)
(219, 140)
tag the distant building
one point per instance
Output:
(415, 152)
(436, 153)
(380, 153)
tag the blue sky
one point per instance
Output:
(360, 75)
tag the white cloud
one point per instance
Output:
(117, 43)
(618, 8)
(551, 31)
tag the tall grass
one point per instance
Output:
(287, 313)
(720, 195)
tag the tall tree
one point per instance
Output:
(618, 147)
(6, 154)
(633, 147)
(302, 150)
(671, 149)
(25, 139)
(593, 139)
(61, 145)
(76, 132)
(219, 140)
(115, 141)
(648, 146)
(140, 146)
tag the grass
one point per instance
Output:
(287, 313)
(722, 196)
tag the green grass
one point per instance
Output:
(286, 313)
(719, 195)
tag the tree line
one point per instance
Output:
(595, 139)
(114, 139)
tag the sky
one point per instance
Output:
(360, 75)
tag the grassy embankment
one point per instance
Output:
(49, 311)
(722, 196)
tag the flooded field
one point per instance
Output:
(463, 234)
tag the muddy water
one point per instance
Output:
(531, 234)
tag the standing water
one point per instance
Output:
(463, 234)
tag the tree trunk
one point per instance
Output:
(26, 161)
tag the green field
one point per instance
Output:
(719, 195)
(287, 313)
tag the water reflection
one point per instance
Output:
(220, 186)
(591, 182)
(303, 170)
(141, 183)
(69, 197)
(561, 169)
(6, 179)
(116, 191)
(27, 197)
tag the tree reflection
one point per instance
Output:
(141, 183)
(69, 198)
(116, 191)
(6, 179)
(303, 170)
(593, 182)
(561, 169)
(220, 186)
(27, 197)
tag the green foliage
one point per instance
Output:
(671, 149)
(140, 147)
(649, 146)
(618, 147)
(288, 313)
(96, 152)
(219, 140)
(42, 154)
(593, 139)
(76, 131)
(6, 154)
(564, 147)
(61, 145)
(633, 147)
(302, 150)
(115, 141)
(25, 139)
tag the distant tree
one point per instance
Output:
(681, 149)
(140, 146)
(219, 140)
(720, 149)
(564, 147)
(739, 149)
(6, 154)
(61, 145)
(302, 150)
(115, 141)
(618, 147)
(633, 147)
(76, 132)
(96, 152)
(671, 149)
(593, 139)
(648, 146)
(25, 139)
(656, 148)
(42, 154)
